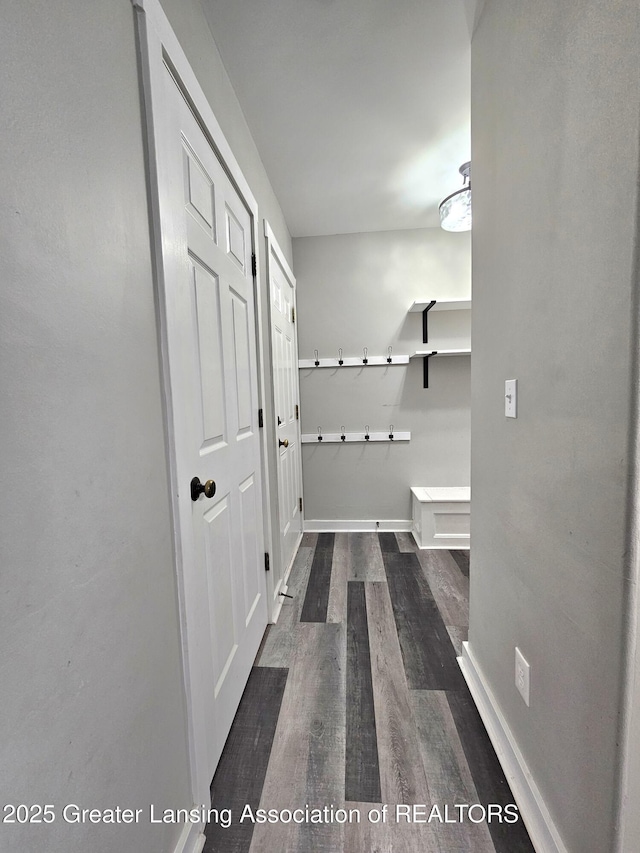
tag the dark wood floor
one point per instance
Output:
(356, 702)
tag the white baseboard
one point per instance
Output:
(542, 830)
(285, 577)
(277, 606)
(191, 839)
(331, 526)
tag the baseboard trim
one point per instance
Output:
(332, 526)
(542, 830)
(285, 577)
(191, 839)
(277, 607)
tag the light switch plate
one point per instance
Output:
(510, 398)
(522, 676)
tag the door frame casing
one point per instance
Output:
(272, 245)
(159, 50)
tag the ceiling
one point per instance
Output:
(359, 108)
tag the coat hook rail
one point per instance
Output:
(364, 360)
(365, 436)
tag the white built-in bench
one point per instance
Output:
(441, 516)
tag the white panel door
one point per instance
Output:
(211, 338)
(285, 369)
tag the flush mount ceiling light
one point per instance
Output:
(455, 209)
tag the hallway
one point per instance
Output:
(356, 700)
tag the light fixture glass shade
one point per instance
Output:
(455, 211)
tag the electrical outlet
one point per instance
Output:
(522, 676)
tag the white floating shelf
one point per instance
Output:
(440, 305)
(436, 353)
(372, 361)
(350, 437)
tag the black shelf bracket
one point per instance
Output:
(425, 368)
(425, 322)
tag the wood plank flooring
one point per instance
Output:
(365, 557)
(356, 708)
(362, 771)
(429, 658)
(316, 600)
(337, 609)
(239, 779)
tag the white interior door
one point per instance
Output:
(211, 342)
(284, 347)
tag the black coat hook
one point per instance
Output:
(343, 437)
(365, 360)
(389, 356)
(317, 359)
(366, 433)
(340, 359)
(319, 434)
(390, 432)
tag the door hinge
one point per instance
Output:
(266, 562)
(260, 419)
(293, 315)
(297, 412)
(300, 500)
(254, 265)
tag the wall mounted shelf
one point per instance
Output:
(440, 305)
(358, 361)
(427, 354)
(351, 437)
(441, 352)
(424, 307)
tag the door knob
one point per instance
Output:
(197, 489)
(284, 443)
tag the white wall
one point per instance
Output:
(92, 700)
(555, 93)
(354, 290)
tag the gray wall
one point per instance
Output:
(354, 290)
(92, 705)
(555, 93)
(628, 814)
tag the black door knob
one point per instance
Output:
(209, 489)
